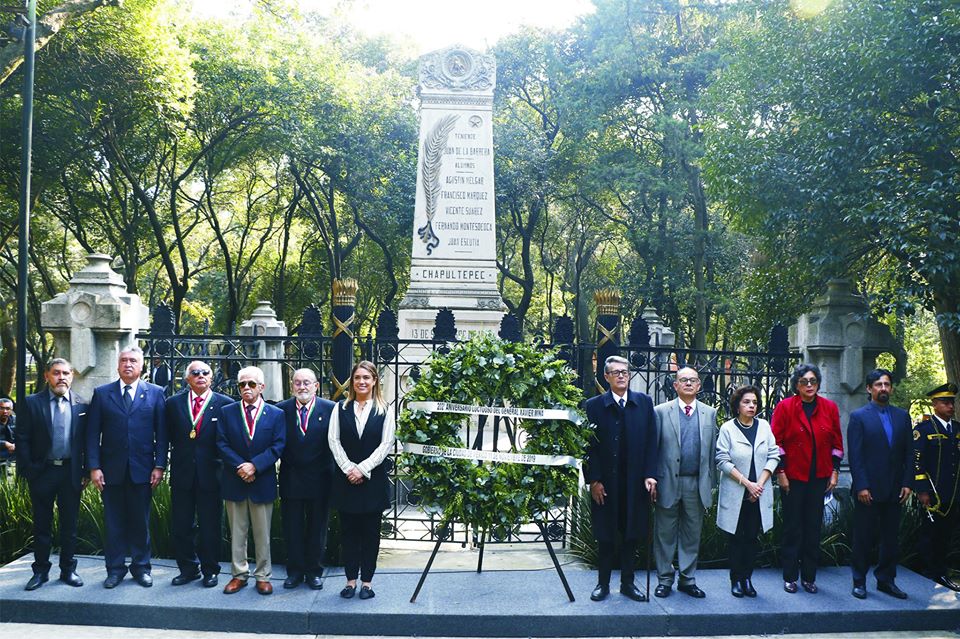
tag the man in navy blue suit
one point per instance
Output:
(621, 470)
(192, 419)
(305, 475)
(50, 442)
(880, 444)
(250, 437)
(126, 455)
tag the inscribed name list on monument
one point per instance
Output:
(453, 261)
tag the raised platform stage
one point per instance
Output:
(465, 604)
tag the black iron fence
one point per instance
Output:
(402, 361)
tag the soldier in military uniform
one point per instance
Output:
(937, 457)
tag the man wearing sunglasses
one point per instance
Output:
(936, 444)
(192, 417)
(250, 436)
(621, 470)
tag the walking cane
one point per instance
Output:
(649, 544)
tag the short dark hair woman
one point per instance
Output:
(807, 428)
(361, 435)
(747, 455)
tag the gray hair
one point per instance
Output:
(57, 361)
(132, 348)
(614, 359)
(305, 371)
(251, 371)
(6, 400)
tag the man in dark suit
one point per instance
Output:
(250, 438)
(879, 437)
(305, 474)
(50, 457)
(8, 428)
(126, 454)
(936, 443)
(621, 469)
(192, 418)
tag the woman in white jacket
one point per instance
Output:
(747, 456)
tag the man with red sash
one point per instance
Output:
(192, 417)
(250, 436)
(305, 475)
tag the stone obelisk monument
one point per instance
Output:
(453, 262)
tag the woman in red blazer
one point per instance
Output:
(807, 429)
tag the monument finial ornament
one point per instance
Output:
(458, 68)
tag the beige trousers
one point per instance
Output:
(243, 516)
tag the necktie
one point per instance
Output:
(303, 420)
(623, 403)
(250, 408)
(59, 430)
(887, 425)
(197, 405)
(688, 410)
(127, 398)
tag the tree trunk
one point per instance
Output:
(8, 358)
(948, 302)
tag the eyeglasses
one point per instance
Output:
(807, 381)
(619, 373)
(248, 384)
(197, 372)
(688, 380)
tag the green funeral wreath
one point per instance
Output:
(487, 371)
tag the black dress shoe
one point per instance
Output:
(292, 581)
(810, 587)
(943, 580)
(36, 581)
(692, 590)
(348, 592)
(860, 592)
(630, 591)
(366, 592)
(182, 579)
(71, 579)
(662, 591)
(891, 589)
(315, 582)
(600, 593)
(209, 581)
(790, 586)
(736, 589)
(144, 579)
(112, 581)
(748, 589)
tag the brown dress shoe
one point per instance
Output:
(264, 587)
(235, 584)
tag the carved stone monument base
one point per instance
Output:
(417, 323)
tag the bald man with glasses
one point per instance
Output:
(196, 509)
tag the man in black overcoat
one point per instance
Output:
(621, 470)
(306, 469)
(192, 418)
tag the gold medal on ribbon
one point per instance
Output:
(193, 434)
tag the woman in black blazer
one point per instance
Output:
(361, 435)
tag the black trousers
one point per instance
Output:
(305, 533)
(880, 520)
(934, 541)
(196, 529)
(802, 509)
(54, 485)
(360, 541)
(126, 510)
(605, 553)
(744, 544)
